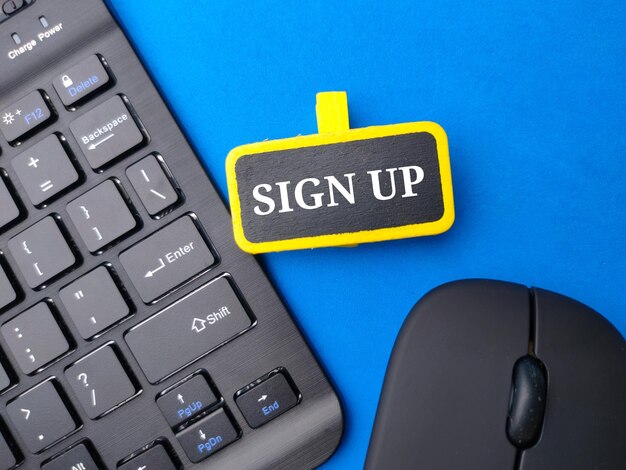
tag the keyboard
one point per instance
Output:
(134, 334)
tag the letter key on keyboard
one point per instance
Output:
(7, 292)
(41, 252)
(5, 380)
(7, 457)
(40, 416)
(167, 259)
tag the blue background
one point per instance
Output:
(532, 96)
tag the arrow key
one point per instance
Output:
(186, 400)
(155, 458)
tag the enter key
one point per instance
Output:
(167, 259)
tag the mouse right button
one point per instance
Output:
(585, 358)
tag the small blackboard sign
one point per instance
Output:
(341, 188)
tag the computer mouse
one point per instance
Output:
(494, 375)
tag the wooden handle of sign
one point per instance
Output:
(331, 108)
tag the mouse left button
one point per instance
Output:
(446, 392)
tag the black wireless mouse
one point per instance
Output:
(494, 375)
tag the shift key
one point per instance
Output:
(188, 329)
(167, 259)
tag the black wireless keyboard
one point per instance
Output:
(133, 333)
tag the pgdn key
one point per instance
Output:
(167, 259)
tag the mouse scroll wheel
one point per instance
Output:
(528, 402)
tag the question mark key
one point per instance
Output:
(100, 381)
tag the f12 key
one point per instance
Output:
(25, 115)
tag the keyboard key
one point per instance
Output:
(7, 292)
(152, 184)
(101, 216)
(207, 436)
(167, 259)
(100, 382)
(94, 302)
(40, 416)
(193, 326)
(77, 458)
(41, 252)
(34, 338)
(81, 81)
(45, 170)
(155, 458)
(106, 132)
(7, 457)
(186, 400)
(9, 210)
(5, 380)
(24, 116)
(267, 400)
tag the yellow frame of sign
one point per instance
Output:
(332, 117)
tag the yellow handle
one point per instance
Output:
(331, 108)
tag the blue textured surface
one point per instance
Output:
(532, 96)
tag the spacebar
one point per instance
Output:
(188, 329)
